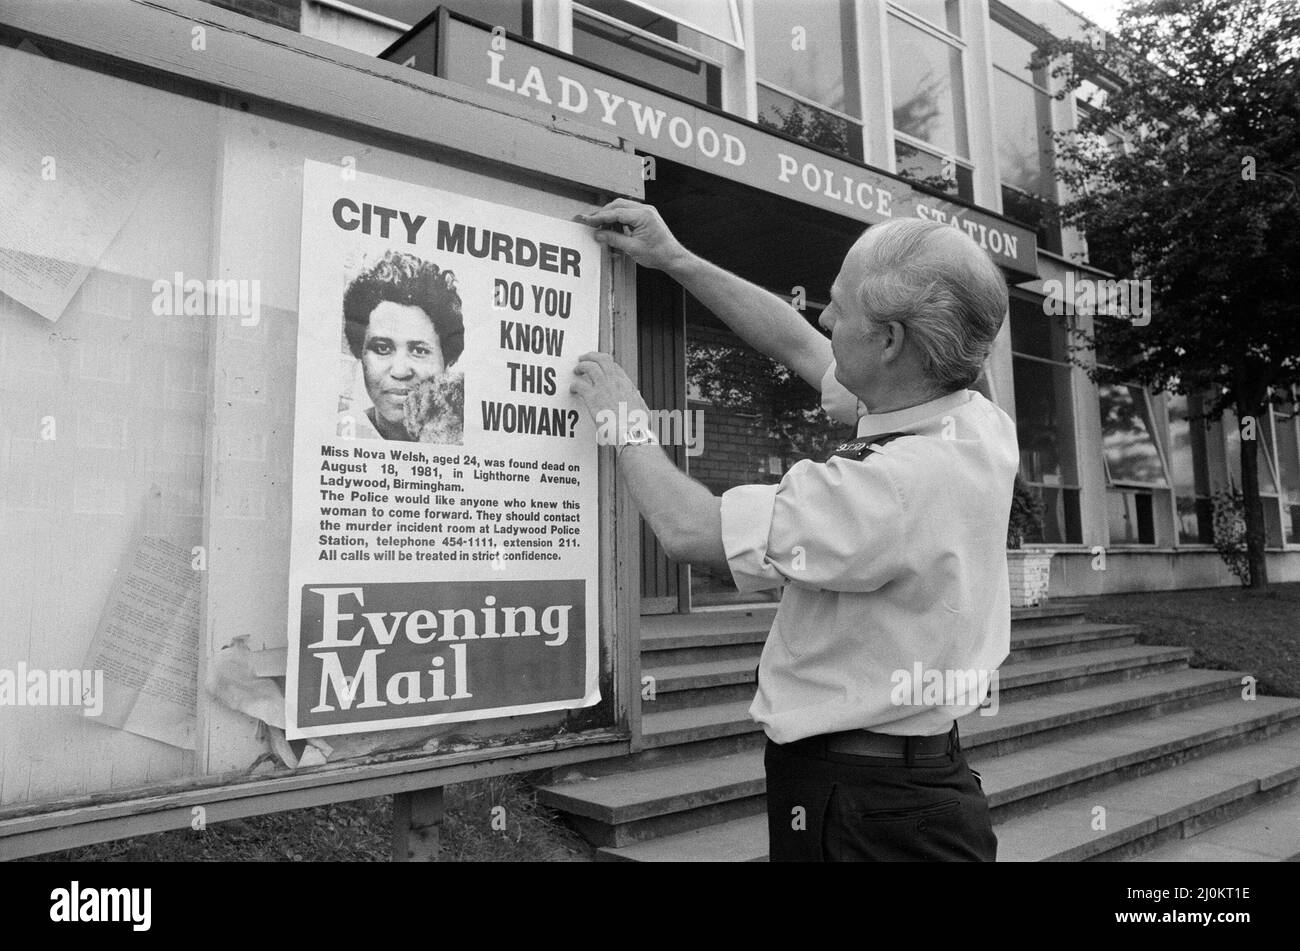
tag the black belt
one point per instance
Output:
(909, 748)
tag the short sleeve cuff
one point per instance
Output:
(746, 524)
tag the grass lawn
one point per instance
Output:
(1228, 628)
(359, 832)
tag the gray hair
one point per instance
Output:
(943, 288)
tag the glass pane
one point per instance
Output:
(926, 82)
(158, 415)
(1024, 123)
(1061, 521)
(942, 13)
(1012, 51)
(809, 124)
(623, 52)
(1090, 94)
(669, 27)
(710, 16)
(809, 48)
(1195, 521)
(508, 13)
(1187, 448)
(1044, 427)
(1130, 517)
(929, 169)
(1033, 213)
(1127, 443)
(1232, 432)
(1287, 462)
(1037, 334)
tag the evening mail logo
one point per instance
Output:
(396, 651)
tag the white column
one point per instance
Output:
(873, 78)
(981, 129)
(741, 81)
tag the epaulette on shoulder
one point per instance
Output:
(863, 446)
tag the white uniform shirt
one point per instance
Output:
(894, 570)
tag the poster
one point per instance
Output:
(147, 644)
(444, 554)
(76, 167)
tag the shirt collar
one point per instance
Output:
(873, 424)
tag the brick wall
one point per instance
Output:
(285, 13)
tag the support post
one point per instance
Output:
(417, 825)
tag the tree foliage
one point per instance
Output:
(1201, 199)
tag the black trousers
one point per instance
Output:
(832, 807)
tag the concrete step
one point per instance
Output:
(622, 808)
(1034, 721)
(702, 678)
(740, 840)
(1268, 833)
(1048, 675)
(1160, 809)
(683, 685)
(1023, 782)
(677, 727)
(1223, 789)
(688, 638)
(1035, 642)
(725, 728)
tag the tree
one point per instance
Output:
(1201, 199)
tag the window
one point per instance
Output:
(941, 13)
(1045, 417)
(806, 58)
(715, 18)
(1133, 463)
(1190, 471)
(929, 106)
(655, 49)
(1288, 469)
(1022, 110)
(1127, 440)
(514, 15)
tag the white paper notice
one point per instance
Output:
(75, 167)
(147, 645)
(446, 545)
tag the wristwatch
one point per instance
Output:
(637, 435)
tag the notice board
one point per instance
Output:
(165, 424)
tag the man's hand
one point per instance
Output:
(603, 385)
(637, 230)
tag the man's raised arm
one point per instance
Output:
(760, 318)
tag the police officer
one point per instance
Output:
(895, 610)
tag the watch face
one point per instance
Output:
(638, 436)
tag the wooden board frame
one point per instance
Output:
(247, 58)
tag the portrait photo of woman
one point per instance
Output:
(402, 322)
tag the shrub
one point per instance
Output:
(1230, 532)
(1026, 514)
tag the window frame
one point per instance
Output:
(655, 38)
(736, 23)
(995, 66)
(1191, 421)
(1065, 485)
(959, 43)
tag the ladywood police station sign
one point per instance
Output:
(674, 129)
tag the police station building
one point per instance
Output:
(773, 132)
